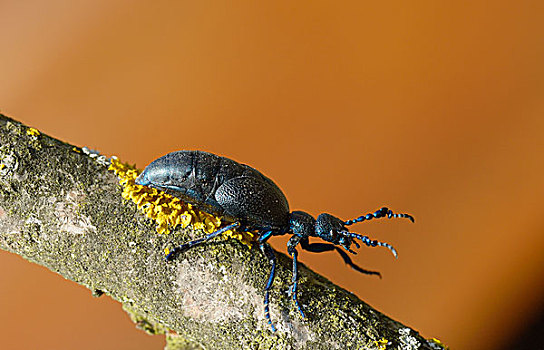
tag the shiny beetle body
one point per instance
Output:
(220, 186)
(250, 201)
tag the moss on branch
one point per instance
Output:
(63, 209)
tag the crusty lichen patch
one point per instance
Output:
(168, 211)
(437, 344)
(407, 341)
(381, 344)
(216, 294)
(32, 132)
(69, 217)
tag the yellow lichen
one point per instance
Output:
(381, 344)
(438, 342)
(32, 132)
(168, 211)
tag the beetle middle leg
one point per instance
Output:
(188, 245)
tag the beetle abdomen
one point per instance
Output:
(254, 201)
(219, 185)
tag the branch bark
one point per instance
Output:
(63, 209)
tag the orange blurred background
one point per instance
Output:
(431, 108)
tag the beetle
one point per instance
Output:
(249, 201)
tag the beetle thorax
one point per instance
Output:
(301, 224)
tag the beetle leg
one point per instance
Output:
(185, 246)
(265, 236)
(295, 281)
(381, 213)
(291, 249)
(324, 247)
(269, 253)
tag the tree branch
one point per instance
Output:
(63, 209)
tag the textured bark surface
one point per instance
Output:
(63, 209)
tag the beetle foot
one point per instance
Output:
(299, 309)
(177, 250)
(170, 256)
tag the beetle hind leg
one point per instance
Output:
(186, 246)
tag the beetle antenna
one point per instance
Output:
(381, 213)
(372, 242)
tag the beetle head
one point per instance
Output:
(158, 173)
(142, 179)
(332, 229)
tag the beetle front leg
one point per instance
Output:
(325, 247)
(291, 248)
(295, 281)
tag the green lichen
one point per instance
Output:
(144, 323)
(177, 342)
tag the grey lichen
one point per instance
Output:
(61, 208)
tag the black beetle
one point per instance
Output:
(253, 202)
